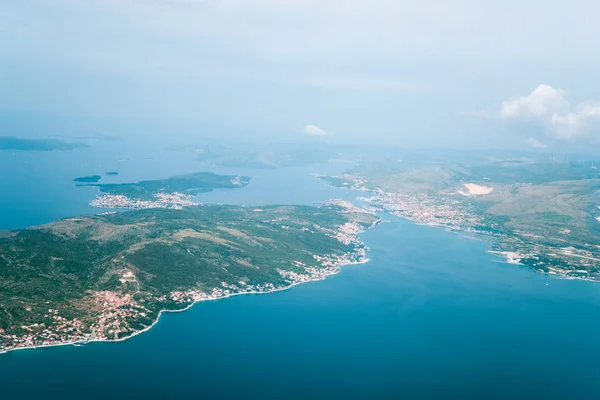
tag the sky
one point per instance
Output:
(451, 73)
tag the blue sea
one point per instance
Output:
(431, 316)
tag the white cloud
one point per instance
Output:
(548, 106)
(573, 123)
(533, 142)
(400, 70)
(315, 130)
(543, 101)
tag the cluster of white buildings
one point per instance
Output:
(418, 207)
(330, 264)
(194, 295)
(174, 201)
(348, 233)
(425, 209)
(237, 181)
(61, 330)
(116, 309)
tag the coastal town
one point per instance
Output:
(456, 209)
(425, 209)
(118, 314)
(443, 209)
(174, 201)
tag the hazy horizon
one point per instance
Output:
(460, 74)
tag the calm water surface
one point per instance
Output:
(37, 187)
(431, 316)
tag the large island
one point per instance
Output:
(109, 277)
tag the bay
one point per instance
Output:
(432, 315)
(37, 187)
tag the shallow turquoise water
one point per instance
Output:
(431, 316)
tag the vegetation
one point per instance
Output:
(195, 183)
(106, 277)
(543, 208)
(91, 178)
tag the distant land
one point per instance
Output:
(109, 277)
(189, 184)
(245, 156)
(107, 138)
(91, 178)
(21, 144)
(541, 212)
(111, 173)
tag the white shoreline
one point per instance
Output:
(86, 341)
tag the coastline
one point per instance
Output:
(510, 257)
(91, 340)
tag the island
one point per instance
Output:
(90, 179)
(174, 192)
(194, 183)
(111, 173)
(109, 277)
(22, 144)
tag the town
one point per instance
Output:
(118, 314)
(175, 201)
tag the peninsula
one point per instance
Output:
(109, 277)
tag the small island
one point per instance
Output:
(111, 173)
(88, 179)
(174, 192)
(109, 277)
(21, 144)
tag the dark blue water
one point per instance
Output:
(431, 316)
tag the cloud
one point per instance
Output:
(395, 71)
(543, 101)
(549, 107)
(315, 130)
(533, 142)
(573, 123)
